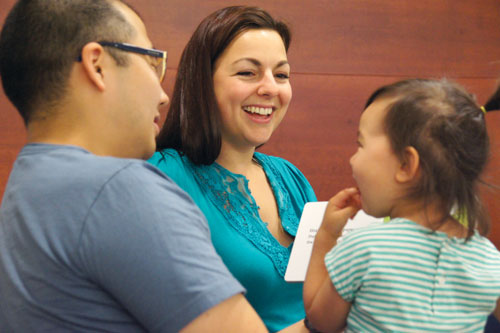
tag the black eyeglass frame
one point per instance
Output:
(140, 50)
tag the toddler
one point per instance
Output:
(422, 145)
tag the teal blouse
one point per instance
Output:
(239, 235)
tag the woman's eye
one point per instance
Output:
(283, 76)
(245, 73)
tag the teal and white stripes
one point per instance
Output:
(403, 277)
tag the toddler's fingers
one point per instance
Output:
(344, 198)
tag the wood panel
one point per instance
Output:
(363, 37)
(341, 51)
(491, 195)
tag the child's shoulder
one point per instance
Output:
(482, 247)
(394, 233)
(403, 231)
(397, 225)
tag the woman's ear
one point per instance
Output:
(410, 166)
(92, 62)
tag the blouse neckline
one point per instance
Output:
(230, 194)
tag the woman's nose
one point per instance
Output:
(268, 85)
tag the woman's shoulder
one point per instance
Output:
(282, 165)
(171, 162)
(167, 159)
(285, 173)
(164, 156)
(278, 161)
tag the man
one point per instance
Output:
(91, 238)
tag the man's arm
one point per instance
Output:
(234, 314)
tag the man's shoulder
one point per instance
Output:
(64, 169)
(57, 157)
(45, 172)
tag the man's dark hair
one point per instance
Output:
(41, 40)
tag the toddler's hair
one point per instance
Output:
(442, 121)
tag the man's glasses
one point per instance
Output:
(157, 58)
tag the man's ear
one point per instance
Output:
(410, 166)
(93, 58)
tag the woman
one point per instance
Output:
(231, 93)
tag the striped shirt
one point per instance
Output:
(403, 277)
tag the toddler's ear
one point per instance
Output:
(410, 166)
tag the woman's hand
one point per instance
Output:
(341, 207)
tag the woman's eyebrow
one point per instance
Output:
(258, 63)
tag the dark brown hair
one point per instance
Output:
(442, 121)
(41, 40)
(192, 126)
(493, 103)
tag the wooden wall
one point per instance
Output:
(341, 51)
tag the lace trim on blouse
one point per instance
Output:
(230, 193)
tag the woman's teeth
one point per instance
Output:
(261, 111)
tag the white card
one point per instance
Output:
(310, 221)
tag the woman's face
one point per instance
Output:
(252, 87)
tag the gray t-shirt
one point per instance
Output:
(91, 243)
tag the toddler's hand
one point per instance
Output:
(341, 207)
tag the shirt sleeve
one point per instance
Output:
(347, 264)
(147, 244)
